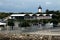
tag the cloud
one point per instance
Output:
(1, 3)
(48, 3)
(28, 5)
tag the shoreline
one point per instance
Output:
(28, 37)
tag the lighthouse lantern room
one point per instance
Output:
(39, 9)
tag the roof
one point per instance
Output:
(2, 23)
(39, 7)
(37, 14)
(18, 14)
(44, 14)
(29, 14)
(51, 14)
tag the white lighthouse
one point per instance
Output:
(39, 9)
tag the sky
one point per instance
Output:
(28, 5)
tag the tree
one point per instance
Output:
(11, 23)
(55, 23)
(25, 24)
(47, 11)
(3, 15)
(55, 19)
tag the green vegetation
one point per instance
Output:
(11, 23)
(55, 18)
(3, 15)
(25, 24)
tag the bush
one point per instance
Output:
(25, 24)
(11, 23)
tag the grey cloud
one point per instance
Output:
(27, 5)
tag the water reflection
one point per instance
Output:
(36, 27)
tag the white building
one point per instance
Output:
(32, 16)
(29, 16)
(2, 25)
(40, 9)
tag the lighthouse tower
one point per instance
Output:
(39, 9)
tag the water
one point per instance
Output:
(33, 29)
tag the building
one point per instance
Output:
(32, 16)
(2, 25)
(40, 9)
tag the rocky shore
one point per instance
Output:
(28, 37)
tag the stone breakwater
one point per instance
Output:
(28, 37)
